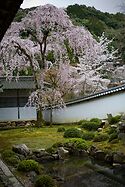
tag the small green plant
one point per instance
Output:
(45, 181)
(28, 165)
(90, 125)
(101, 137)
(88, 135)
(61, 129)
(73, 133)
(114, 119)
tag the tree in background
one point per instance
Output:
(44, 42)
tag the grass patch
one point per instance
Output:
(45, 137)
(33, 137)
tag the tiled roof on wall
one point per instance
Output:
(103, 93)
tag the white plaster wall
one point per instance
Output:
(98, 107)
(11, 114)
(28, 113)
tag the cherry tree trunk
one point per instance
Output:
(40, 120)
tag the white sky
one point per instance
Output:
(111, 6)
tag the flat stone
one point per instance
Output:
(12, 180)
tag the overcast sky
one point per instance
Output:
(111, 6)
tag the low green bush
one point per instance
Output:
(88, 135)
(28, 165)
(73, 133)
(96, 120)
(45, 181)
(90, 126)
(114, 119)
(76, 143)
(101, 137)
(113, 136)
(61, 129)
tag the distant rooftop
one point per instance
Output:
(24, 82)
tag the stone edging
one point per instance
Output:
(8, 177)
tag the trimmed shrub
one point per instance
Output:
(61, 129)
(73, 133)
(28, 165)
(78, 144)
(114, 119)
(89, 125)
(45, 181)
(96, 120)
(88, 135)
(101, 137)
(113, 136)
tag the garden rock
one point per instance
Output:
(62, 152)
(109, 159)
(83, 153)
(93, 151)
(119, 158)
(121, 127)
(55, 156)
(21, 149)
(100, 155)
(99, 129)
(43, 159)
(121, 136)
(40, 153)
(114, 126)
